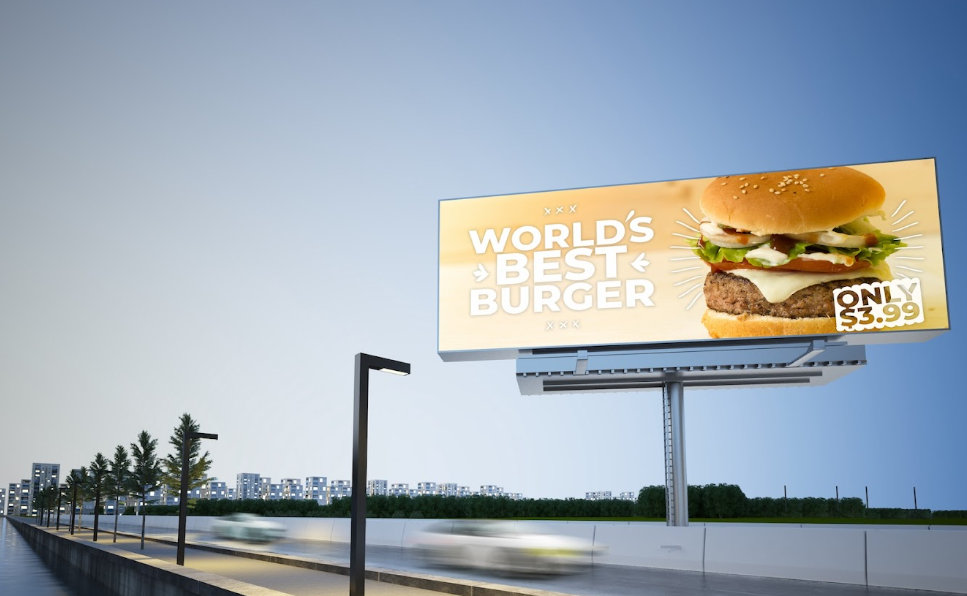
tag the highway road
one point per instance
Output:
(601, 580)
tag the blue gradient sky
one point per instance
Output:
(212, 207)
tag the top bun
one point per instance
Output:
(792, 202)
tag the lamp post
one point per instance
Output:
(357, 525)
(183, 498)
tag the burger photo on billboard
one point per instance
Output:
(779, 243)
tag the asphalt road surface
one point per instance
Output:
(600, 580)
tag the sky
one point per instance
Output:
(211, 208)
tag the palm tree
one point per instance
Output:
(146, 473)
(117, 481)
(99, 470)
(197, 466)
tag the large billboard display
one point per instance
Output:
(850, 251)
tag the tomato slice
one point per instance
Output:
(811, 266)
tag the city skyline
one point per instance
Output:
(212, 211)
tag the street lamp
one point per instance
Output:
(183, 498)
(357, 525)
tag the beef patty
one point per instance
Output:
(736, 295)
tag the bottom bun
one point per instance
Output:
(720, 325)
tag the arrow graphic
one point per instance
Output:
(640, 263)
(480, 274)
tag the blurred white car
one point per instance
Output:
(503, 546)
(248, 527)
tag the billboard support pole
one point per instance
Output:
(676, 484)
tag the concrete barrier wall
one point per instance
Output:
(894, 557)
(130, 574)
(924, 560)
(651, 546)
(827, 555)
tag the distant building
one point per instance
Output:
(292, 489)
(628, 496)
(217, 490)
(601, 495)
(163, 495)
(274, 492)
(265, 487)
(230, 493)
(377, 488)
(246, 486)
(401, 489)
(3, 499)
(13, 499)
(490, 490)
(42, 476)
(426, 488)
(447, 489)
(317, 489)
(340, 488)
(464, 491)
(513, 496)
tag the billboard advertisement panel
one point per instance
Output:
(852, 251)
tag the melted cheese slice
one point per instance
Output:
(778, 286)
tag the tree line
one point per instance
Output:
(711, 501)
(136, 473)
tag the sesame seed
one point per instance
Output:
(742, 178)
(743, 192)
(755, 186)
(762, 177)
(821, 175)
(795, 175)
(770, 190)
(734, 197)
(807, 190)
(724, 183)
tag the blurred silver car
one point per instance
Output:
(503, 546)
(248, 527)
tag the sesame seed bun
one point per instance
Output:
(792, 202)
(723, 325)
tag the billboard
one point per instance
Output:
(852, 251)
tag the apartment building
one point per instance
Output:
(400, 489)
(426, 488)
(217, 490)
(340, 489)
(292, 489)
(317, 489)
(491, 490)
(628, 496)
(601, 495)
(377, 487)
(247, 486)
(42, 476)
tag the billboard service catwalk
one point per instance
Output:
(851, 251)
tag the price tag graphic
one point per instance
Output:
(878, 305)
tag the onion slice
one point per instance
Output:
(831, 238)
(726, 239)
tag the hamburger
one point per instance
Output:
(778, 244)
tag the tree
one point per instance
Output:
(78, 481)
(146, 473)
(99, 470)
(117, 481)
(197, 466)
